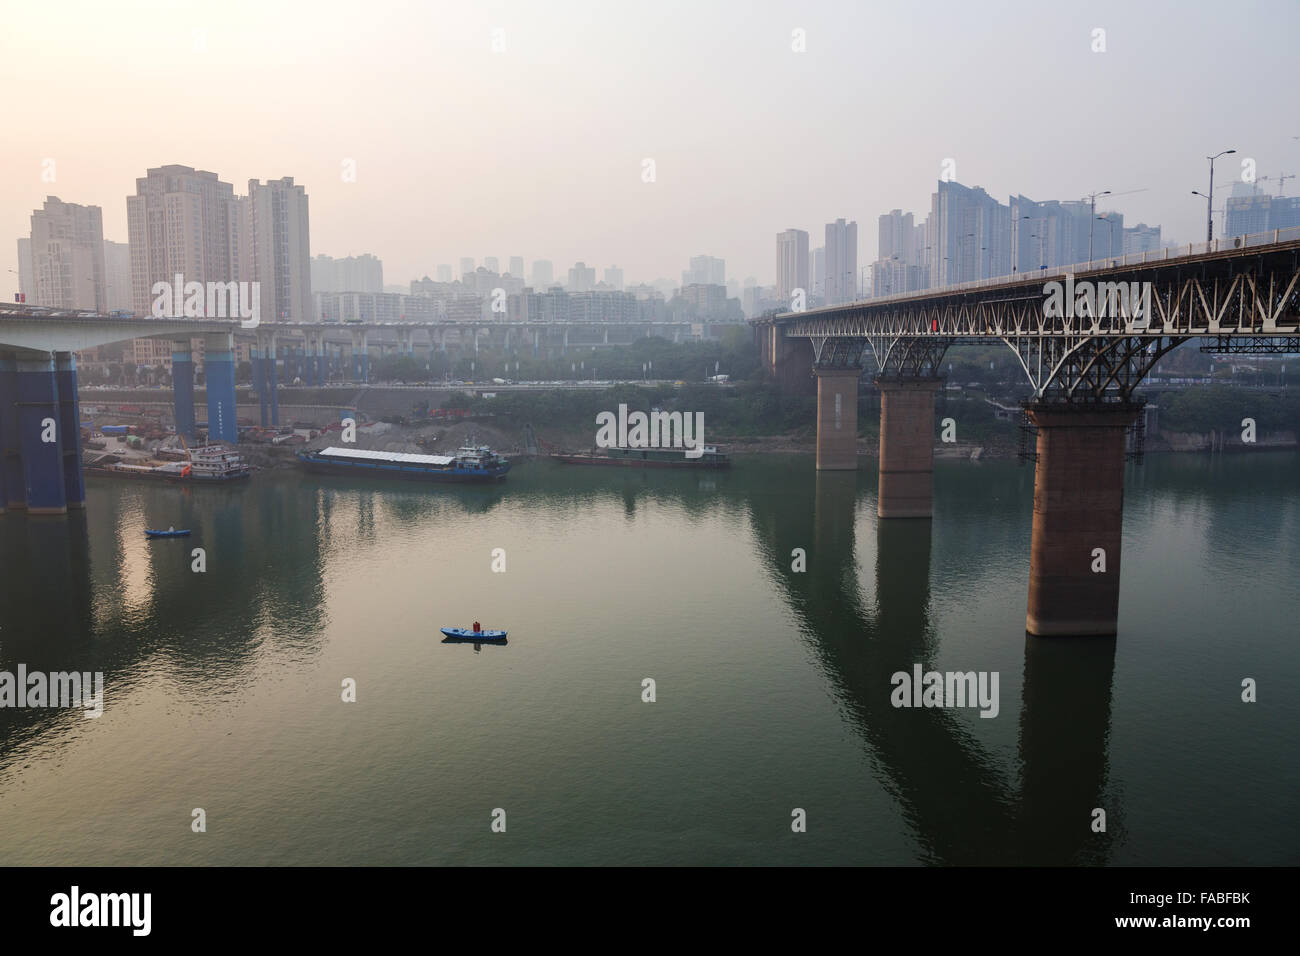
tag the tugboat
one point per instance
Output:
(471, 463)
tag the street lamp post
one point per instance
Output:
(1209, 200)
(1092, 198)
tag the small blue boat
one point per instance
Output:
(169, 533)
(469, 634)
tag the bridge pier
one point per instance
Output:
(219, 375)
(13, 493)
(906, 487)
(1078, 509)
(183, 388)
(837, 418)
(39, 416)
(65, 376)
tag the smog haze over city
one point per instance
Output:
(648, 433)
(536, 149)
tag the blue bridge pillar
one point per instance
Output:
(40, 436)
(65, 377)
(259, 381)
(13, 491)
(183, 388)
(219, 372)
(272, 382)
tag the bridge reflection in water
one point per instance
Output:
(866, 607)
(963, 804)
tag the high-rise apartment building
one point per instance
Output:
(841, 262)
(517, 266)
(791, 263)
(67, 256)
(466, 269)
(543, 274)
(614, 278)
(181, 221)
(705, 270)
(969, 235)
(817, 271)
(117, 276)
(582, 278)
(444, 273)
(281, 248)
(364, 273)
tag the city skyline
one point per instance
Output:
(416, 204)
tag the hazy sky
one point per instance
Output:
(538, 150)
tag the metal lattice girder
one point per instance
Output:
(909, 357)
(1277, 345)
(838, 352)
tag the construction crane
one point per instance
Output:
(1281, 182)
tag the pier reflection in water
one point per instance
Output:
(773, 686)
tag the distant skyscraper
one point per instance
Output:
(970, 235)
(543, 274)
(517, 266)
(705, 270)
(490, 264)
(791, 263)
(466, 269)
(444, 273)
(896, 231)
(67, 250)
(181, 222)
(117, 276)
(281, 248)
(817, 271)
(364, 273)
(841, 262)
(614, 277)
(581, 278)
(1141, 238)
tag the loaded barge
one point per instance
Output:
(646, 458)
(472, 463)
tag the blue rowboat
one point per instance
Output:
(465, 633)
(169, 533)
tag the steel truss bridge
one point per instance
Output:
(1085, 337)
(1239, 295)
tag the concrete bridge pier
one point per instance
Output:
(1074, 559)
(12, 490)
(219, 374)
(906, 487)
(837, 418)
(40, 435)
(183, 388)
(65, 374)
